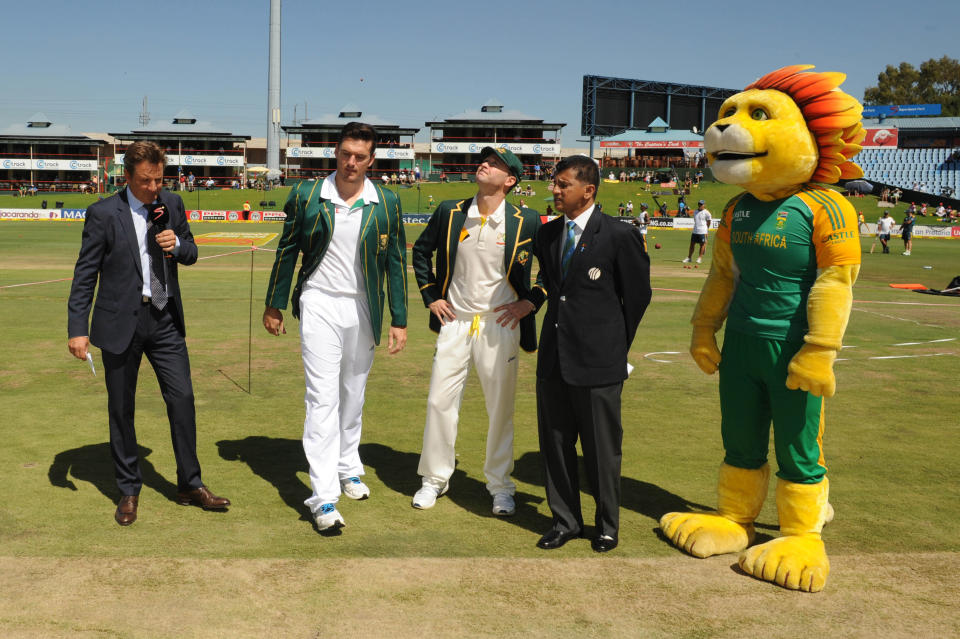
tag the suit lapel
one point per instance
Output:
(325, 213)
(458, 215)
(369, 212)
(553, 234)
(513, 221)
(586, 242)
(129, 232)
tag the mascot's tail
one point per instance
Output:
(833, 117)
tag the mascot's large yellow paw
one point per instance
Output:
(705, 534)
(703, 348)
(811, 369)
(797, 562)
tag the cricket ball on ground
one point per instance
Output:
(657, 245)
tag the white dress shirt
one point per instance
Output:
(138, 213)
(339, 271)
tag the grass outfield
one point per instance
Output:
(413, 200)
(456, 570)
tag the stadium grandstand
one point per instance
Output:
(919, 155)
(313, 156)
(213, 157)
(42, 156)
(456, 141)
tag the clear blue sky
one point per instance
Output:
(89, 64)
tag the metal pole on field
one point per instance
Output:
(250, 323)
(273, 90)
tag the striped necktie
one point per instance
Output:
(158, 276)
(568, 246)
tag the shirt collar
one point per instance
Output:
(495, 218)
(582, 219)
(328, 191)
(135, 204)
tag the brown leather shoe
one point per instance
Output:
(127, 510)
(204, 498)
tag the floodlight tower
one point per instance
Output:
(273, 90)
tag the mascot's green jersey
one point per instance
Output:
(777, 247)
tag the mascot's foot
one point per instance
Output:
(705, 534)
(797, 562)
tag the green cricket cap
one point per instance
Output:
(513, 162)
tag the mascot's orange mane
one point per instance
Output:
(832, 116)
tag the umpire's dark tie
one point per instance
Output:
(158, 277)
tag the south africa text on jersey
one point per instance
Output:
(763, 239)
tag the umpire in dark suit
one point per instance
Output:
(597, 274)
(132, 242)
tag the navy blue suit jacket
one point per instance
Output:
(109, 252)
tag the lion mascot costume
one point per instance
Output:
(784, 262)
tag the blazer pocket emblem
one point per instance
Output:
(522, 257)
(383, 242)
(594, 273)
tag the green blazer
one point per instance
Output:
(442, 236)
(383, 253)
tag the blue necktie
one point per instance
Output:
(568, 246)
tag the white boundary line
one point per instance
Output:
(207, 257)
(650, 356)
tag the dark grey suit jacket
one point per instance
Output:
(592, 314)
(109, 252)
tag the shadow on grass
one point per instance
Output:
(398, 471)
(277, 461)
(642, 497)
(92, 463)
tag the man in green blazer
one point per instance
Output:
(478, 292)
(350, 233)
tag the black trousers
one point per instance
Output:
(592, 413)
(156, 337)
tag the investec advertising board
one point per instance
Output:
(196, 160)
(44, 164)
(475, 147)
(382, 153)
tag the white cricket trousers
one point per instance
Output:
(336, 342)
(493, 351)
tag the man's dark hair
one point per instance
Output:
(583, 167)
(142, 151)
(359, 131)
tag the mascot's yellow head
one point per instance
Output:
(790, 127)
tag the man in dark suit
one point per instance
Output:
(132, 242)
(597, 274)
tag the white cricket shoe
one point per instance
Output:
(328, 518)
(353, 488)
(426, 497)
(699, 260)
(686, 260)
(503, 505)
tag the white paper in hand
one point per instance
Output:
(93, 368)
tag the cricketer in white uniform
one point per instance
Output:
(351, 235)
(701, 227)
(478, 292)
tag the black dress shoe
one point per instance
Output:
(603, 543)
(204, 498)
(126, 512)
(556, 538)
